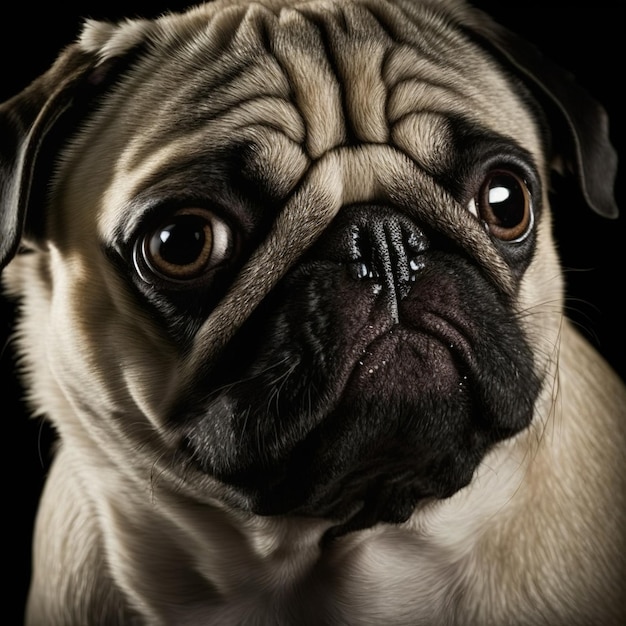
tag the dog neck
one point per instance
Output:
(227, 564)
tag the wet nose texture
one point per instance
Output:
(386, 249)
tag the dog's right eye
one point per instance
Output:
(183, 247)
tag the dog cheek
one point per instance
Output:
(101, 347)
(540, 298)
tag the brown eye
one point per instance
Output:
(184, 246)
(504, 204)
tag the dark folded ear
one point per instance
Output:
(26, 123)
(37, 122)
(579, 123)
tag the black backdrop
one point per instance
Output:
(588, 38)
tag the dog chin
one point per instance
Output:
(359, 412)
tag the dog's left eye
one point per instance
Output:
(504, 204)
(184, 246)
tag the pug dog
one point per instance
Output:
(290, 297)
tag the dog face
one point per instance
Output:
(295, 257)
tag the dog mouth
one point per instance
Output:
(385, 446)
(331, 403)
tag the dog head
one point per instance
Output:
(294, 256)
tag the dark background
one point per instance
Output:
(587, 38)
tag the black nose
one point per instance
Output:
(382, 247)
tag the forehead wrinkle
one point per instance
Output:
(441, 70)
(419, 82)
(183, 82)
(218, 128)
(357, 44)
(135, 168)
(218, 118)
(298, 46)
(426, 137)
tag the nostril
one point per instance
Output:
(360, 270)
(416, 265)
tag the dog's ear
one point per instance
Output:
(38, 121)
(27, 122)
(579, 123)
